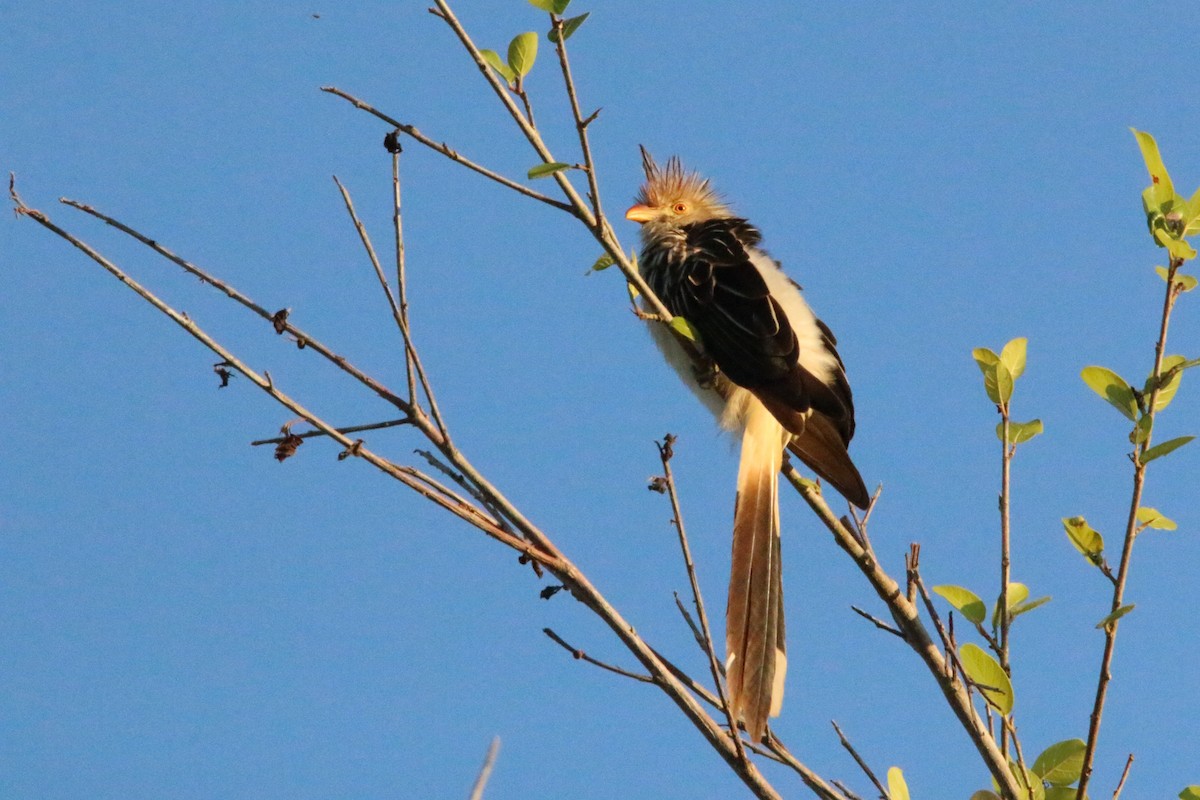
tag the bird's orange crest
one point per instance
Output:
(667, 184)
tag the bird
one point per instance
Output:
(769, 370)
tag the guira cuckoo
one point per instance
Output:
(769, 371)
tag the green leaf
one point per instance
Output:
(634, 292)
(1178, 248)
(985, 671)
(683, 327)
(1168, 380)
(969, 604)
(1114, 616)
(493, 59)
(1113, 388)
(602, 263)
(1169, 446)
(1151, 518)
(1017, 593)
(1013, 356)
(1061, 763)
(1086, 541)
(1190, 793)
(1028, 605)
(984, 794)
(1160, 181)
(1141, 431)
(1191, 214)
(552, 6)
(997, 378)
(569, 26)
(897, 788)
(545, 170)
(522, 52)
(1019, 432)
(1188, 282)
(1031, 787)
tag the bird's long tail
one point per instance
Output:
(754, 628)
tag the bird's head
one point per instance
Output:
(671, 198)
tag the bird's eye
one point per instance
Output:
(679, 208)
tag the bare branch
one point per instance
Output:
(665, 451)
(485, 771)
(1139, 480)
(1124, 775)
(579, 655)
(908, 620)
(412, 360)
(393, 146)
(281, 325)
(560, 46)
(858, 760)
(878, 623)
(374, 426)
(448, 152)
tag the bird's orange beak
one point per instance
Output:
(640, 213)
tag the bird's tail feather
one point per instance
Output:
(820, 446)
(754, 627)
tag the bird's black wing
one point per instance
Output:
(709, 280)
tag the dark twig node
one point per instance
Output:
(666, 447)
(288, 447)
(579, 655)
(537, 568)
(391, 142)
(223, 372)
(550, 591)
(658, 484)
(279, 320)
(352, 450)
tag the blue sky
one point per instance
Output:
(185, 618)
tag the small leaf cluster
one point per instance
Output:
(1000, 373)
(522, 52)
(981, 668)
(1169, 216)
(1090, 544)
(559, 28)
(1052, 776)
(1134, 404)
(523, 49)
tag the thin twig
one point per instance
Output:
(1005, 508)
(560, 46)
(878, 623)
(485, 771)
(812, 780)
(908, 620)
(409, 477)
(883, 793)
(665, 451)
(850, 795)
(579, 655)
(603, 234)
(399, 318)
(1010, 725)
(697, 634)
(447, 151)
(1131, 527)
(1124, 775)
(285, 325)
(474, 491)
(374, 426)
(401, 271)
